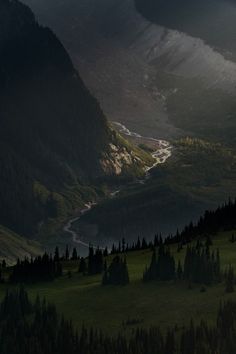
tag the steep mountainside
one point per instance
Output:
(160, 81)
(140, 71)
(54, 137)
(211, 20)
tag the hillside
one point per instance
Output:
(14, 246)
(161, 81)
(134, 298)
(137, 68)
(54, 138)
(198, 176)
(86, 302)
(211, 20)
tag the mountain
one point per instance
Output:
(207, 110)
(155, 78)
(55, 140)
(211, 20)
(163, 81)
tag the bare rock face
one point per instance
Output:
(118, 159)
(121, 56)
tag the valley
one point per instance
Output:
(159, 81)
(124, 59)
(117, 177)
(161, 151)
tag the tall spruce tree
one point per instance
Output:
(229, 280)
(117, 272)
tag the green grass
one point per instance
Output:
(84, 300)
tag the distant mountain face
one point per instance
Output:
(147, 73)
(53, 133)
(211, 20)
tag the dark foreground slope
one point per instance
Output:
(37, 326)
(53, 133)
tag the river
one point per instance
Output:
(161, 155)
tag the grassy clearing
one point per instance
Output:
(84, 300)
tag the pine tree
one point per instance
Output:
(56, 255)
(82, 266)
(170, 347)
(105, 252)
(67, 254)
(179, 271)
(123, 245)
(116, 273)
(105, 275)
(74, 254)
(230, 280)
(161, 268)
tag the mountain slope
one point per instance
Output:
(54, 136)
(211, 20)
(160, 82)
(124, 59)
(14, 246)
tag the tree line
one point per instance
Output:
(42, 268)
(201, 266)
(223, 218)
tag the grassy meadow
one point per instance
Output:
(83, 300)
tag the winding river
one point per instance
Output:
(161, 155)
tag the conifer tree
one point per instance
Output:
(74, 254)
(67, 254)
(82, 266)
(179, 271)
(161, 268)
(56, 255)
(116, 273)
(230, 280)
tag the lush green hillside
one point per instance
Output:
(14, 246)
(85, 301)
(54, 138)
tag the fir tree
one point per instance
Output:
(56, 255)
(161, 268)
(230, 280)
(74, 254)
(116, 273)
(67, 254)
(82, 266)
(179, 271)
